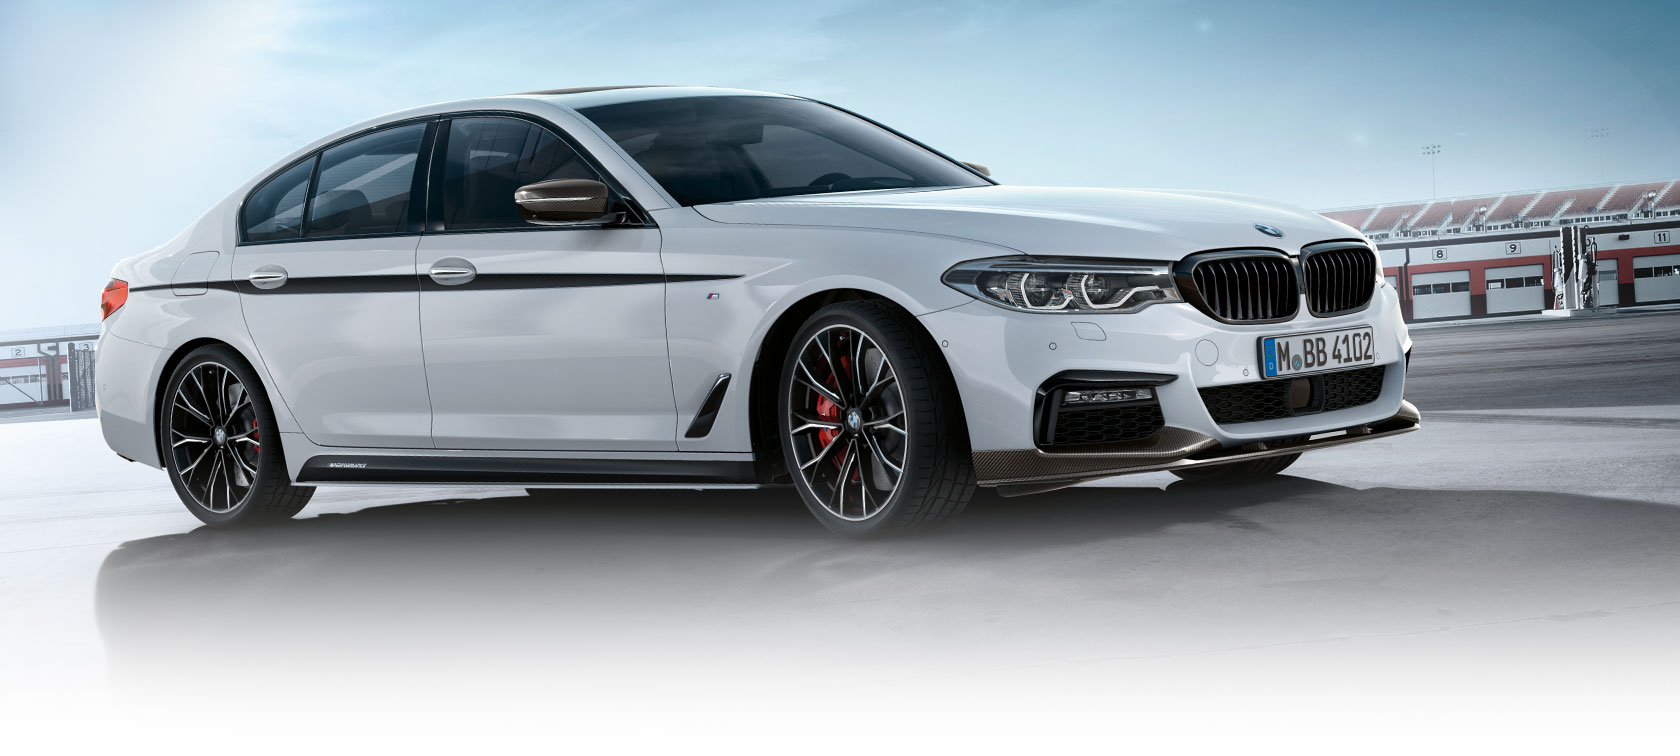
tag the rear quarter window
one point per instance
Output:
(275, 210)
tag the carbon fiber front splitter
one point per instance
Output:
(1017, 472)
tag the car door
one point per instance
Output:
(325, 272)
(537, 337)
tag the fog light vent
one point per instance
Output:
(1088, 397)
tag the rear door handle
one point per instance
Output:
(453, 271)
(268, 277)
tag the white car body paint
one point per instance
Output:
(619, 372)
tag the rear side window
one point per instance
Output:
(276, 210)
(489, 158)
(365, 185)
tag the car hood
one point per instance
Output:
(1127, 223)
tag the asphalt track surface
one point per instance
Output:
(1625, 360)
(1512, 569)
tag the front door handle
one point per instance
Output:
(453, 271)
(268, 277)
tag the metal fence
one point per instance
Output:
(47, 372)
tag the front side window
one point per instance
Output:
(725, 149)
(275, 211)
(489, 158)
(365, 184)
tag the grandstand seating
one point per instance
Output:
(1670, 198)
(1355, 218)
(1459, 210)
(1579, 201)
(1390, 215)
(1626, 196)
(1601, 202)
(1509, 207)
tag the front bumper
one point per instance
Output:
(1001, 358)
(1028, 471)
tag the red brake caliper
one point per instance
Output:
(828, 410)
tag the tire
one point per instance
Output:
(1239, 472)
(246, 482)
(912, 417)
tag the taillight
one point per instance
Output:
(114, 296)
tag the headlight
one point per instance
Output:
(1064, 284)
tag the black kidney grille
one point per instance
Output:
(1247, 289)
(1105, 425)
(1340, 280)
(1270, 400)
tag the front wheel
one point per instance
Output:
(221, 445)
(871, 426)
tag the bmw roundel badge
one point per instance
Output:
(1268, 230)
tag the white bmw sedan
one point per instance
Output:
(667, 287)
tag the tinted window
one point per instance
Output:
(791, 157)
(365, 184)
(275, 211)
(489, 158)
(723, 149)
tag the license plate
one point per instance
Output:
(1316, 352)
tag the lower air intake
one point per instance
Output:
(1274, 400)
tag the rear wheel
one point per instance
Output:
(1239, 472)
(870, 424)
(221, 445)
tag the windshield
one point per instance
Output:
(723, 149)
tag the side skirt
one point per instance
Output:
(520, 471)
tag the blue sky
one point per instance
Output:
(121, 122)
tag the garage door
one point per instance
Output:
(1608, 291)
(1520, 288)
(1441, 295)
(1656, 278)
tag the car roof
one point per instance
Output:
(584, 97)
